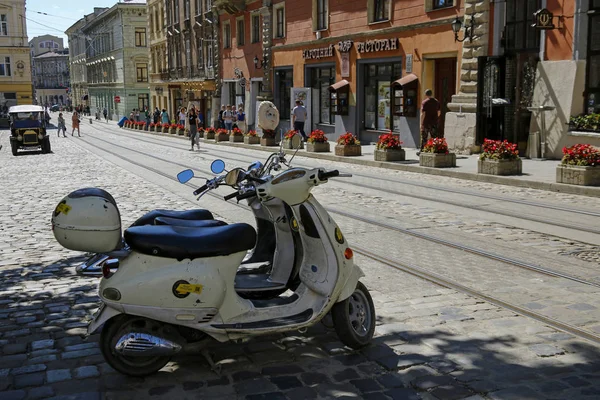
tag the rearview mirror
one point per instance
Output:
(185, 176)
(233, 176)
(296, 141)
(217, 166)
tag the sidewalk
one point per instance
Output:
(536, 174)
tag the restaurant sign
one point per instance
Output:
(372, 46)
(323, 52)
(543, 19)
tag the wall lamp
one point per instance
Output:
(469, 29)
(258, 64)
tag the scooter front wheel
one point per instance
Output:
(138, 366)
(354, 318)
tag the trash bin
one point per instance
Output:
(122, 122)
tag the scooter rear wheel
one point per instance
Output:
(132, 366)
(354, 318)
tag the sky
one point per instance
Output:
(60, 15)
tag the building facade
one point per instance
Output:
(356, 67)
(191, 71)
(15, 60)
(45, 43)
(159, 73)
(528, 61)
(78, 91)
(51, 78)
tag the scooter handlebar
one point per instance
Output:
(326, 175)
(200, 190)
(230, 196)
(246, 195)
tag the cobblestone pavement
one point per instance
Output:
(431, 343)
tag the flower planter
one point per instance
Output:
(268, 142)
(390, 155)
(221, 137)
(173, 131)
(165, 130)
(317, 147)
(287, 144)
(499, 167)
(146, 128)
(251, 140)
(209, 135)
(578, 175)
(348, 150)
(200, 134)
(436, 160)
(236, 138)
(180, 132)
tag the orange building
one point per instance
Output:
(357, 67)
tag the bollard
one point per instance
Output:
(90, 121)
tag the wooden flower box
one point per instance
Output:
(268, 141)
(236, 138)
(221, 137)
(251, 140)
(173, 131)
(180, 132)
(209, 135)
(287, 144)
(348, 150)
(435, 160)
(165, 130)
(499, 167)
(317, 147)
(390, 155)
(200, 133)
(578, 175)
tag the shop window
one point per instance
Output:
(241, 32)
(431, 5)
(378, 94)
(255, 35)
(140, 37)
(279, 11)
(227, 35)
(379, 10)
(320, 15)
(321, 80)
(519, 35)
(284, 79)
(592, 89)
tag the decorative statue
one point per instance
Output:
(268, 116)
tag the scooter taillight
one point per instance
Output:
(106, 271)
(348, 253)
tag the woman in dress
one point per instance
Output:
(75, 122)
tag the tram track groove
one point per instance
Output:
(406, 267)
(423, 236)
(416, 184)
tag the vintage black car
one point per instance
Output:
(28, 129)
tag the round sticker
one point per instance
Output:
(338, 236)
(178, 294)
(294, 224)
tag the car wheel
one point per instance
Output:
(14, 146)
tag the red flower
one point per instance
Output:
(317, 136)
(581, 154)
(290, 134)
(251, 133)
(347, 139)
(389, 141)
(436, 145)
(499, 150)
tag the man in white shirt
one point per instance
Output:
(299, 117)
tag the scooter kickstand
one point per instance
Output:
(213, 367)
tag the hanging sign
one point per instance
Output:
(345, 65)
(117, 99)
(372, 46)
(323, 52)
(543, 19)
(409, 63)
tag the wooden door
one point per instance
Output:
(445, 85)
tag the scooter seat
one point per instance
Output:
(191, 223)
(148, 218)
(182, 242)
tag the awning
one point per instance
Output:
(338, 85)
(405, 80)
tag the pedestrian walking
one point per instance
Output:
(299, 118)
(105, 113)
(137, 115)
(75, 122)
(147, 115)
(156, 115)
(241, 119)
(61, 125)
(430, 115)
(192, 118)
(182, 116)
(164, 116)
(228, 119)
(221, 121)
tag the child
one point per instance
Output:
(61, 125)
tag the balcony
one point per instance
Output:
(230, 6)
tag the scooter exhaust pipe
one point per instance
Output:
(138, 344)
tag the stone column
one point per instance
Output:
(460, 125)
(216, 99)
(266, 12)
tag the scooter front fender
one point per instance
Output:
(104, 314)
(351, 283)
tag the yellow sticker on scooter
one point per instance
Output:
(338, 236)
(294, 224)
(184, 288)
(62, 208)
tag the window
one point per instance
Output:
(379, 10)
(186, 9)
(200, 53)
(241, 32)
(140, 37)
(143, 101)
(255, 36)
(209, 52)
(142, 72)
(5, 67)
(321, 79)
(592, 87)
(279, 20)
(176, 11)
(437, 4)
(227, 35)
(284, 78)
(320, 13)
(3, 25)
(518, 32)
(198, 6)
(208, 4)
(378, 80)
